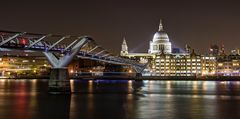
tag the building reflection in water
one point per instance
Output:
(186, 99)
(23, 99)
(168, 87)
(90, 86)
(3, 85)
(117, 99)
(130, 86)
(72, 85)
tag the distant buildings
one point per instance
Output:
(235, 52)
(163, 60)
(23, 66)
(38, 66)
(214, 50)
(228, 65)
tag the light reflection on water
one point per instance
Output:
(26, 99)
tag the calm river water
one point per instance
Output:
(28, 99)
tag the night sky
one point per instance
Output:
(197, 23)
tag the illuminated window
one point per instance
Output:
(220, 64)
(235, 64)
(182, 67)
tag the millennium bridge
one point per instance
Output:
(60, 51)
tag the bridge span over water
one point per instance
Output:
(59, 51)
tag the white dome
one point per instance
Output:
(160, 35)
(160, 42)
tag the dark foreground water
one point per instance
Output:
(28, 99)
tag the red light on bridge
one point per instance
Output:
(23, 41)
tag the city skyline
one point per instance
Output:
(119, 59)
(198, 24)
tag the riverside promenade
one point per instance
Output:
(176, 78)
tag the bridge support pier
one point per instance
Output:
(59, 81)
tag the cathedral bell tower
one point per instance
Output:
(124, 50)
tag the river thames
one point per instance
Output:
(122, 99)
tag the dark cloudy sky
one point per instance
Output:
(197, 23)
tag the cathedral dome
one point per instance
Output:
(160, 35)
(160, 41)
